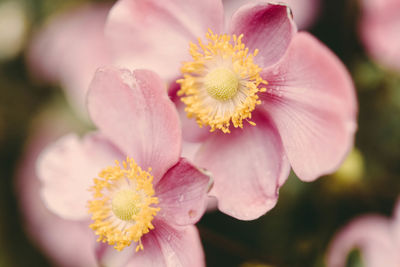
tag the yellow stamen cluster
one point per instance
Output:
(220, 85)
(122, 206)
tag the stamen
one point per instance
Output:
(122, 208)
(220, 85)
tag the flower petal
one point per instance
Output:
(182, 194)
(396, 223)
(191, 131)
(245, 184)
(67, 169)
(73, 37)
(134, 111)
(107, 255)
(304, 11)
(372, 235)
(311, 100)
(168, 246)
(267, 27)
(56, 237)
(189, 150)
(155, 34)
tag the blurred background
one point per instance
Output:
(296, 232)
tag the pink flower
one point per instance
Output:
(377, 237)
(69, 49)
(57, 237)
(379, 29)
(296, 95)
(152, 197)
(71, 45)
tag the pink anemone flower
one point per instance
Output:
(272, 97)
(380, 31)
(377, 238)
(141, 196)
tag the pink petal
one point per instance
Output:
(155, 34)
(379, 29)
(168, 246)
(248, 167)
(133, 110)
(212, 204)
(189, 150)
(58, 238)
(304, 11)
(190, 129)
(67, 169)
(396, 223)
(69, 49)
(371, 234)
(108, 256)
(267, 27)
(311, 100)
(182, 194)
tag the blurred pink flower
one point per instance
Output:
(305, 12)
(136, 119)
(57, 237)
(69, 49)
(377, 237)
(380, 31)
(306, 116)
